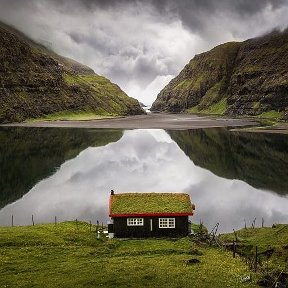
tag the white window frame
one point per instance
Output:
(166, 223)
(135, 222)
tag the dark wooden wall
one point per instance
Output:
(121, 229)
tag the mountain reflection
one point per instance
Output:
(142, 160)
(259, 159)
(28, 155)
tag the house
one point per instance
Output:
(149, 214)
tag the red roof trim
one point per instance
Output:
(150, 214)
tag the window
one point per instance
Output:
(166, 222)
(135, 222)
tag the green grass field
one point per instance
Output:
(272, 245)
(69, 255)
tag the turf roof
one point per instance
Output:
(144, 203)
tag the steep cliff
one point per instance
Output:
(35, 82)
(248, 78)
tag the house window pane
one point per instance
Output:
(135, 221)
(166, 222)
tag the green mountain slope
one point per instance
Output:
(248, 78)
(35, 82)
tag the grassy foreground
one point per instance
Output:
(272, 245)
(69, 255)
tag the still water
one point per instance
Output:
(232, 177)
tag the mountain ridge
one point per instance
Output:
(235, 79)
(36, 82)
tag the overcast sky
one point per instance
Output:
(141, 45)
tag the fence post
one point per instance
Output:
(12, 221)
(55, 220)
(32, 220)
(235, 234)
(253, 223)
(97, 232)
(234, 249)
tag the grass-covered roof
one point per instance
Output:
(149, 203)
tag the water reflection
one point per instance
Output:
(28, 155)
(259, 159)
(142, 160)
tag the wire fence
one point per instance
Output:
(257, 261)
(99, 228)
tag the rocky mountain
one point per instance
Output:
(237, 78)
(35, 81)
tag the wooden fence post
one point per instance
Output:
(235, 234)
(55, 220)
(97, 227)
(253, 223)
(32, 220)
(12, 221)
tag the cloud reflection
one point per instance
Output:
(142, 160)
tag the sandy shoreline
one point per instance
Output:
(149, 121)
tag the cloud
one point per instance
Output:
(138, 43)
(147, 95)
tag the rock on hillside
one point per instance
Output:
(248, 78)
(35, 82)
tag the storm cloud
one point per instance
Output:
(141, 45)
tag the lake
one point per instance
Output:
(232, 177)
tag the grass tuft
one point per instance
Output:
(272, 114)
